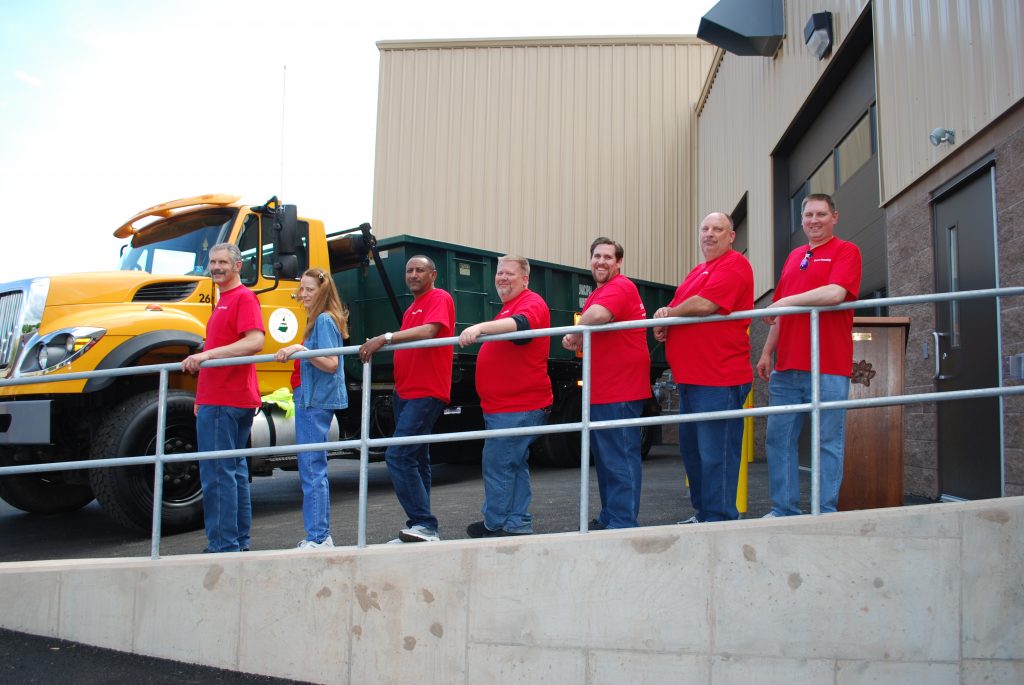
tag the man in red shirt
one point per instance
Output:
(515, 390)
(711, 367)
(423, 385)
(826, 272)
(226, 401)
(620, 383)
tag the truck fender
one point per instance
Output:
(130, 350)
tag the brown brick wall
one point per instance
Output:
(911, 271)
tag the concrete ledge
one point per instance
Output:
(923, 594)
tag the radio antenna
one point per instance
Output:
(284, 83)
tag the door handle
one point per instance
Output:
(939, 355)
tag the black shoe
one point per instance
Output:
(479, 530)
(596, 525)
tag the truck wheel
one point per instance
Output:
(126, 493)
(562, 450)
(42, 493)
(559, 450)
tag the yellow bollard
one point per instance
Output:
(746, 455)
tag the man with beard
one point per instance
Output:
(711, 367)
(226, 401)
(423, 384)
(620, 383)
(514, 388)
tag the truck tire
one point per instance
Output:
(42, 493)
(562, 450)
(126, 493)
(559, 450)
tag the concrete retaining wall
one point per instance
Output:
(931, 594)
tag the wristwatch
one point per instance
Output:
(387, 337)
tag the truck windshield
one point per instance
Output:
(178, 245)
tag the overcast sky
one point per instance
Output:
(108, 107)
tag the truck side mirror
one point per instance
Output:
(284, 223)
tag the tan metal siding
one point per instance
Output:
(748, 108)
(538, 146)
(947, 63)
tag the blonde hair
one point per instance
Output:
(523, 262)
(326, 299)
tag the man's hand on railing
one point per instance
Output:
(660, 332)
(470, 335)
(371, 345)
(191, 363)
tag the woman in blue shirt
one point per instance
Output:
(319, 392)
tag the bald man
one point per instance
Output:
(711, 367)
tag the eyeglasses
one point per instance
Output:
(806, 260)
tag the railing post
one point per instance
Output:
(815, 414)
(585, 436)
(158, 466)
(364, 454)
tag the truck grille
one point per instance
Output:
(165, 292)
(10, 315)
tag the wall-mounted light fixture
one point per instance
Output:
(942, 135)
(818, 34)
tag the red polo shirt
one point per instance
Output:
(427, 371)
(714, 353)
(512, 376)
(836, 262)
(621, 366)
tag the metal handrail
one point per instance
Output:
(585, 425)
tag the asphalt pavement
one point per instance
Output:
(32, 659)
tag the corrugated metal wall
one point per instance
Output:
(955, 64)
(537, 146)
(749, 106)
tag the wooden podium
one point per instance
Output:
(873, 466)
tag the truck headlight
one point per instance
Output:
(58, 349)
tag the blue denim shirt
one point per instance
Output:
(319, 389)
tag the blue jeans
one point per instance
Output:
(783, 434)
(312, 425)
(227, 510)
(711, 450)
(506, 472)
(617, 458)
(409, 465)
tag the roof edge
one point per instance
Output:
(538, 41)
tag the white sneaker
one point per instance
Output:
(396, 541)
(771, 515)
(418, 533)
(692, 519)
(309, 544)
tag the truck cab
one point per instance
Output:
(153, 310)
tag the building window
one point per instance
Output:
(739, 224)
(823, 180)
(846, 159)
(855, 149)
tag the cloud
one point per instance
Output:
(25, 77)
